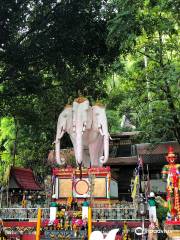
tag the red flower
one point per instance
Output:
(46, 222)
(56, 222)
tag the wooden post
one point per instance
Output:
(89, 221)
(38, 224)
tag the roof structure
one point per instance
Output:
(23, 178)
(125, 134)
(151, 154)
(159, 148)
(119, 161)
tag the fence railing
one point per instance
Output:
(113, 214)
(22, 213)
(98, 214)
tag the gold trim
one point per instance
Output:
(99, 104)
(68, 106)
(80, 99)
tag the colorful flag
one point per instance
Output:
(148, 184)
(136, 182)
(140, 162)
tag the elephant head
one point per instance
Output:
(82, 121)
(100, 124)
(64, 125)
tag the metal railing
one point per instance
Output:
(22, 213)
(114, 214)
(98, 214)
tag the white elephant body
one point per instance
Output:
(88, 130)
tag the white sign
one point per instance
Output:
(85, 212)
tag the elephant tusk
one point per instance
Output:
(84, 127)
(110, 137)
(100, 130)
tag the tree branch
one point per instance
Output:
(36, 27)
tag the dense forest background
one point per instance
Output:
(124, 53)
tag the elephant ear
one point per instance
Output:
(59, 127)
(98, 112)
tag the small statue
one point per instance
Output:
(152, 207)
(24, 201)
(53, 209)
(171, 174)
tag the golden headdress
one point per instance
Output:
(80, 99)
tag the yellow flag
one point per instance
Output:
(136, 181)
(125, 231)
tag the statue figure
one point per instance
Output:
(152, 207)
(88, 130)
(171, 174)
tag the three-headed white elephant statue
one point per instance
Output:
(88, 130)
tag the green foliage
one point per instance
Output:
(7, 137)
(113, 121)
(146, 33)
(124, 52)
(161, 213)
(49, 50)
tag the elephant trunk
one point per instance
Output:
(57, 151)
(104, 132)
(106, 149)
(79, 147)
